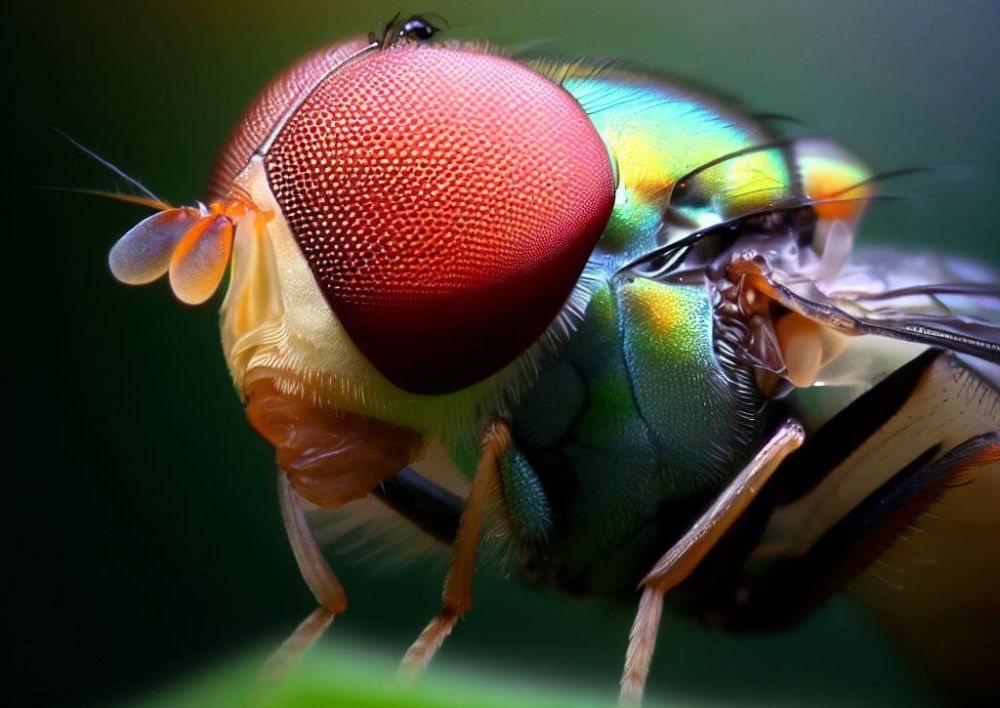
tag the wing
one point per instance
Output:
(924, 299)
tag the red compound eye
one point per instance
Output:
(447, 202)
(271, 106)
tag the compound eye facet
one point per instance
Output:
(266, 113)
(446, 202)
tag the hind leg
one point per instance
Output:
(795, 586)
(894, 499)
(318, 576)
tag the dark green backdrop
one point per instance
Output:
(143, 537)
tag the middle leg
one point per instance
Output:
(685, 555)
(458, 585)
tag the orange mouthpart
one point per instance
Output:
(330, 457)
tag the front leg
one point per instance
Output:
(328, 458)
(320, 578)
(685, 555)
(458, 585)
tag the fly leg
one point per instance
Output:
(685, 555)
(898, 490)
(329, 459)
(794, 587)
(318, 576)
(458, 585)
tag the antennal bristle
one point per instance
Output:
(127, 198)
(121, 173)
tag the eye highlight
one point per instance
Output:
(446, 203)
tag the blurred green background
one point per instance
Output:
(144, 542)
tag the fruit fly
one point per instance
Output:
(631, 313)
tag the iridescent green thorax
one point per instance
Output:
(639, 413)
(639, 418)
(657, 132)
(680, 387)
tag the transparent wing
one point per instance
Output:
(926, 299)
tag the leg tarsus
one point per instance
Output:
(458, 585)
(420, 653)
(298, 643)
(641, 643)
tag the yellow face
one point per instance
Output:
(276, 324)
(407, 229)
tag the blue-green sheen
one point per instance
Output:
(527, 505)
(639, 418)
(658, 420)
(659, 131)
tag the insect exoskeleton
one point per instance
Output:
(630, 311)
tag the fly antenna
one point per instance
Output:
(121, 173)
(157, 204)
